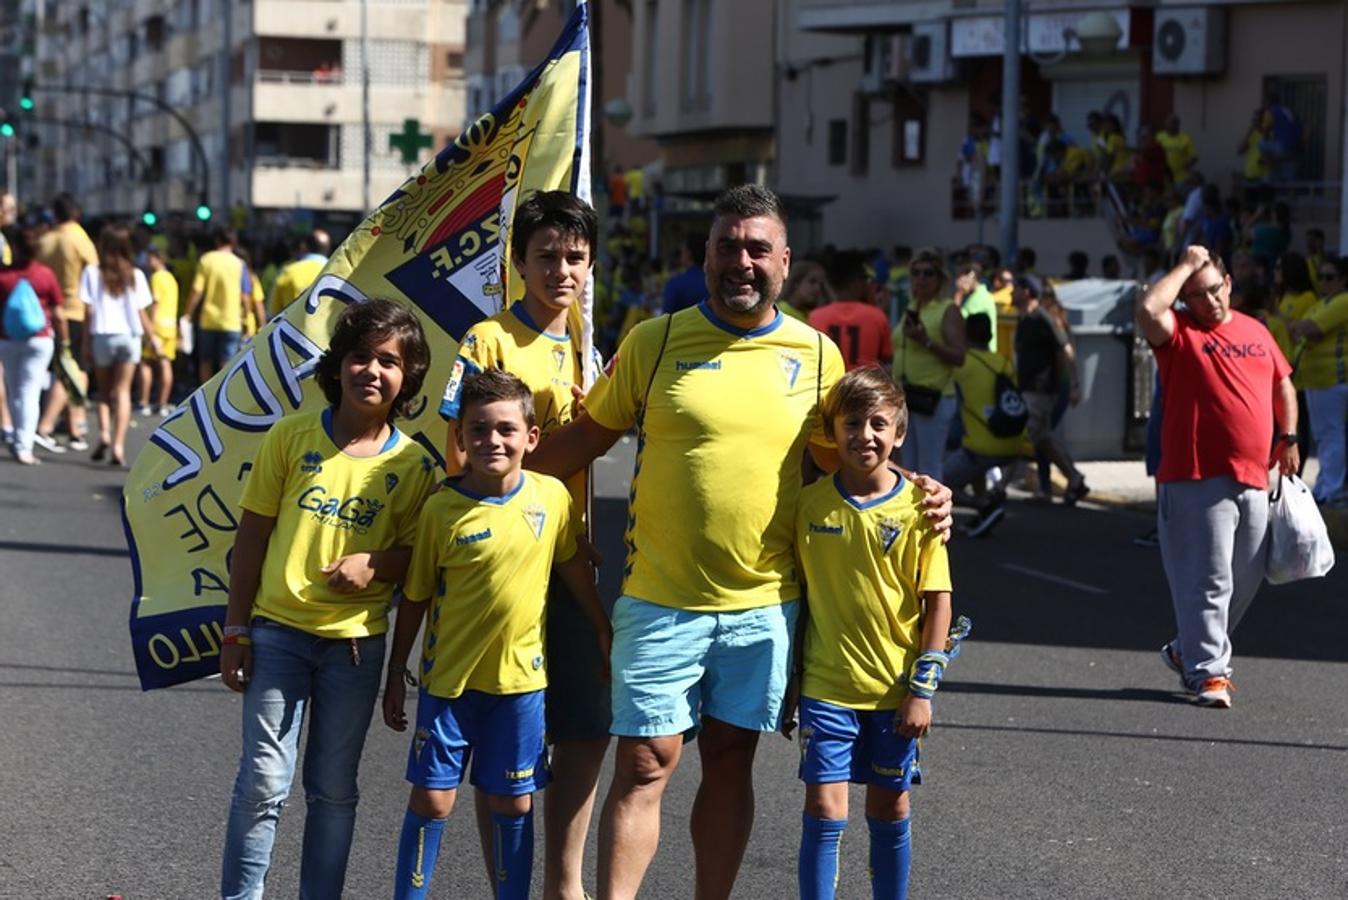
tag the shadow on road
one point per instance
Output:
(1029, 690)
(61, 549)
(1203, 739)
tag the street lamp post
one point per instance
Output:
(1010, 137)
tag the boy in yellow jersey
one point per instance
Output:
(484, 549)
(551, 240)
(990, 419)
(875, 637)
(164, 314)
(329, 512)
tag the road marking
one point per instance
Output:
(1056, 579)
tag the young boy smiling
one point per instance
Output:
(878, 613)
(480, 563)
(552, 239)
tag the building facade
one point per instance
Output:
(268, 95)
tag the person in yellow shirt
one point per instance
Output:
(551, 239)
(297, 275)
(876, 630)
(164, 317)
(329, 512)
(1257, 166)
(217, 288)
(1323, 366)
(724, 396)
(66, 250)
(1180, 154)
(484, 548)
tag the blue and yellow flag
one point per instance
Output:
(439, 244)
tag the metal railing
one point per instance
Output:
(286, 76)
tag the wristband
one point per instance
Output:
(395, 670)
(925, 675)
(241, 640)
(237, 629)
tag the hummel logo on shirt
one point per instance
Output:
(691, 365)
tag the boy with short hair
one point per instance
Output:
(484, 548)
(552, 241)
(875, 642)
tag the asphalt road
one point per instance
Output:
(1063, 764)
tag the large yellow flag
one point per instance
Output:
(437, 244)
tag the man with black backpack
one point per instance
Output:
(993, 414)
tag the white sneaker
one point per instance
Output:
(1215, 692)
(47, 442)
(79, 444)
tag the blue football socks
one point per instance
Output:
(817, 869)
(891, 855)
(417, 849)
(512, 842)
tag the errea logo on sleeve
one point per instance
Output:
(312, 462)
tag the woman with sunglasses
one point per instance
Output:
(1323, 367)
(929, 346)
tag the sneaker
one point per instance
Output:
(1075, 491)
(1150, 539)
(1215, 692)
(165, 410)
(48, 443)
(986, 521)
(1170, 655)
(144, 410)
(79, 444)
(7, 436)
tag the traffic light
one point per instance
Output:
(6, 125)
(26, 98)
(148, 218)
(203, 211)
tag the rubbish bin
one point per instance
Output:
(1101, 426)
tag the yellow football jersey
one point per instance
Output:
(484, 563)
(977, 380)
(718, 466)
(866, 566)
(328, 505)
(220, 279)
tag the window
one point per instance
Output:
(1304, 96)
(696, 31)
(650, 54)
(837, 142)
(910, 131)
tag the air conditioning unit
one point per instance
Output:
(927, 53)
(882, 57)
(1189, 41)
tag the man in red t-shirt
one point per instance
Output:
(1226, 382)
(856, 324)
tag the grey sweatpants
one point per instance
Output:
(1214, 543)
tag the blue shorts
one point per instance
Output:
(217, 347)
(502, 735)
(858, 745)
(671, 667)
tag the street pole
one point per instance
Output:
(367, 138)
(1010, 137)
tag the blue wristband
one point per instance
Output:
(926, 672)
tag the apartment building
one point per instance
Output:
(855, 110)
(271, 90)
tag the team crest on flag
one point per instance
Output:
(889, 532)
(790, 363)
(436, 245)
(536, 516)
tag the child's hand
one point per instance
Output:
(604, 634)
(236, 666)
(913, 720)
(589, 551)
(938, 506)
(789, 707)
(395, 697)
(350, 573)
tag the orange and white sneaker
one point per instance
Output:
(1215, 692)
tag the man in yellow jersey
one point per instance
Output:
(725, 396)
(66, 250)
(1180, 155)
(217, 288)
(164, 314)
(301, 272)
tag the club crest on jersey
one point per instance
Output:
(536, 516)
(312, 462)
(559, 357)
(790, 364)
(889, 532)
(390, 482)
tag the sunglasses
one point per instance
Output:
(923, 273)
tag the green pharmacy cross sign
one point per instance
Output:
(410, 140)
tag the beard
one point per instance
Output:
(762, 295)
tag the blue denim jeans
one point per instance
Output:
(294, 671)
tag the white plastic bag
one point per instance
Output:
(185, 336)
(1298, 541)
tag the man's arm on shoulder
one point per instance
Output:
(572, 447)
(1155, 315)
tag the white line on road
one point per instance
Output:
(1056, 579)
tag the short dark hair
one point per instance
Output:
(64, 207)
(978, 328)
(860, 391)
(846, 269)
(493, 386)
(749, 201)
(220, 235)
(364, 325)
(562, 210)
(1026, 257)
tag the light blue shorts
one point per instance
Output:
(500, 734)
(671, 667)
(857, 745)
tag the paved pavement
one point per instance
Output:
(1063, 763)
